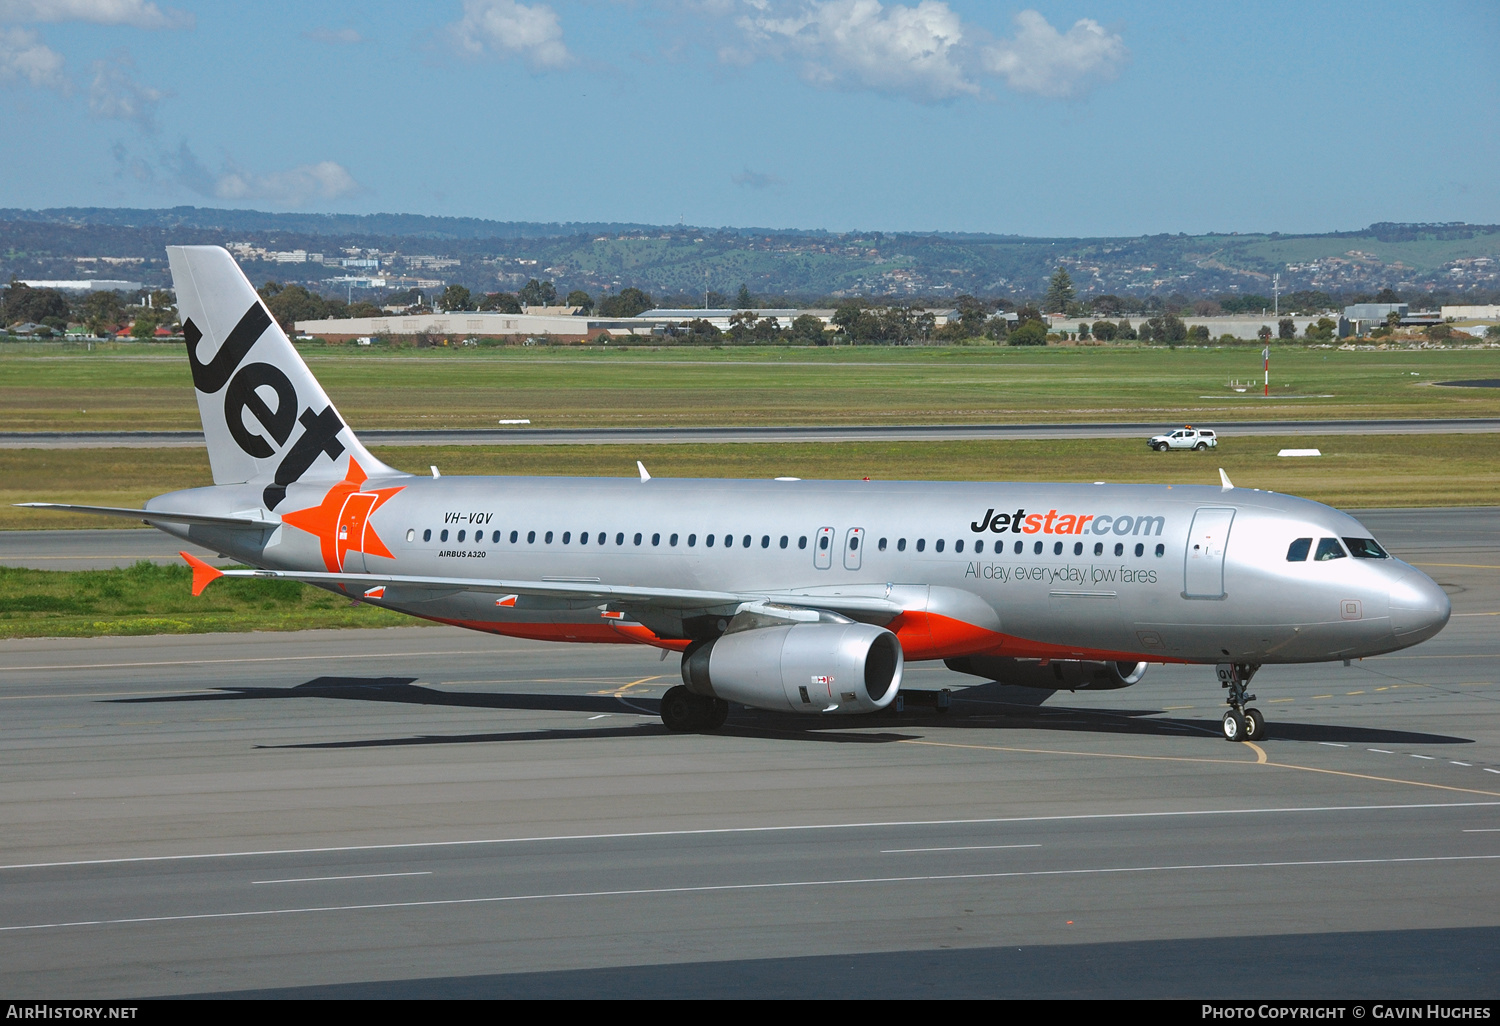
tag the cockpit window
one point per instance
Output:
(1297, 551)
(1329, 548)
(1365, 548)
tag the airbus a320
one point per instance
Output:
(786, 595)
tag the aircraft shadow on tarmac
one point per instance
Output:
(994, 706)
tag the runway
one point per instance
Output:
(777, 433)
(423, 811)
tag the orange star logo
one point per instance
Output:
(342, 520)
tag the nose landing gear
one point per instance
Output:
(1241, 723)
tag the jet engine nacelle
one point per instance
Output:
(1055, 674)
(807, 667)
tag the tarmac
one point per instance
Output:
(420, 812)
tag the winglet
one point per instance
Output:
(1224, 479)
(642, 468)
(203, 574)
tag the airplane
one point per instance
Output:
(786, 595)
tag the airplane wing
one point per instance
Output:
(663, 598)
(150, 515)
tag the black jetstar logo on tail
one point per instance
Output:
(320, 430)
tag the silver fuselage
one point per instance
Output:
(1151, 572)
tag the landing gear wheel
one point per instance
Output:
(1255, 724)
(1234, 725)
(679, 711)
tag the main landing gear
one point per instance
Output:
(688, 713)
(1241, 722)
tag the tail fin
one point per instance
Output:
(253, 389)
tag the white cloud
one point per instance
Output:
(334, 37)
(917, 51)
(138, 13)
(116, 95)
(324, 180)
(1044, 61)
(505, 28)
(755, 179)
(24, 56)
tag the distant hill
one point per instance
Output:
(681, 261)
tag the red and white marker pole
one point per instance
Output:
(1267, 356)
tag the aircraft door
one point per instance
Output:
(1203, 576)
(823, 548)
(854, 542)
(350, 540)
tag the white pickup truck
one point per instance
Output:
(1187, 437)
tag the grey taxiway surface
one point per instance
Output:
(426, 811)
(777, 433)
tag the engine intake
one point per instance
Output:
(1055, 674)
(806, 667)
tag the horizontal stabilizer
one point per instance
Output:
(152, 515)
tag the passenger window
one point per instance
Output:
(567, 535)
(620, 538)
(854, 543)
(1078, 548)
(1140, 550)
(823, 543)
(708, 540)
(921, 544)
(547, 537)
(1119, 549)
(672, 540)
(745, 542)
(1365, 548)
(495, 538)
(783, 541)
(1297, 551)
(1018, 548)
(1161, 550)
(1036, 549)
(802, 542)
(638, 538)
(1098, 548)
(900, 544)
(461, 535)
(1329, 548)
(583, 538)
(444, 535)
(513, 535)
(938, 545)
(427, 534)
(693, 540)
(979, 545)
(1057, 548)
(765, 541)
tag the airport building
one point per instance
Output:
(554, 324)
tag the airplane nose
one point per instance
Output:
(1419, 607)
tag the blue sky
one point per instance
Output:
(1084, 118)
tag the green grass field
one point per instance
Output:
(147, 599)
(1355, 470)
(148, 387)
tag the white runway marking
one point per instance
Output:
(722, 888)
(969, 847)
(1082, 817)
(321, 879)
